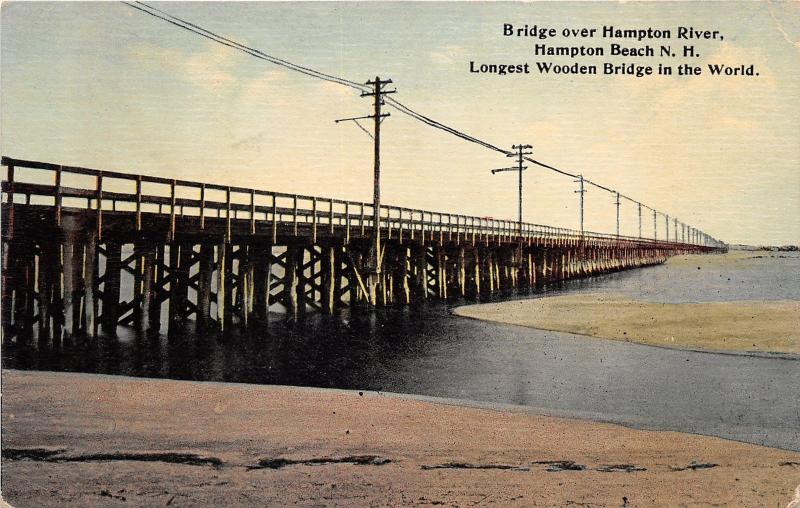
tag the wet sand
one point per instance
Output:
(720, 326)
(89, 440)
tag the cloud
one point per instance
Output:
(447, 55)
(337, 90)
(262, 88)
(211, 69)
(157, 56)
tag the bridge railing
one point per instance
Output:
(72, 187)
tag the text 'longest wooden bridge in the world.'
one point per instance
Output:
(86, 251)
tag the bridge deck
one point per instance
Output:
(85, 247)
(189, 207)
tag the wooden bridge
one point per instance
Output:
(86, 250)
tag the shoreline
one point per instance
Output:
(497, 407)
(771, 328)
(90, 440)
(770, 355)
(756, 324)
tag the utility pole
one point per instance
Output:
(640, 219)
(666, 229)
(375, 259)
(520, 153)
(655, 226)
(581, 191)
(675, 221)
(617, 203)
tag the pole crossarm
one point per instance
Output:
(356, 119)
(521, 152)
(500, 170)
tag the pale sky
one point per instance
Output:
(103, 85)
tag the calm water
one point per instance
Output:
(426, 351)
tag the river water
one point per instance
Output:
(427, 351)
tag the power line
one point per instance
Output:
(191, 27)
(433, 123)
(208, 34)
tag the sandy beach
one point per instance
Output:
(746, 326)
(729, 326)
(89, 440)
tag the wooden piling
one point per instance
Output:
(204, 282)
(462, 271)
(222, 268)
(91, 303)
(262, 280)
(329, 271)
(46, 268)
(148, 296)
(68, 264)
(293, 288)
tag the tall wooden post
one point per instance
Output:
(158, 282)
(300, 281)
(245, 287)
(90, 291)
(262, 275)
(421, 270)
(223, 282)
(111, 287)
(291, 282)
(329, 279)
(477, 262)
(205, 278)
(462, 271)
(68, 264)
(337, 275)
(148, 281)
(47, 267)
(226, 270)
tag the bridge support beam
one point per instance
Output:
(248, 275)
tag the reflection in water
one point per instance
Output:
(351, 350)
(424, 350)
(362, 349)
